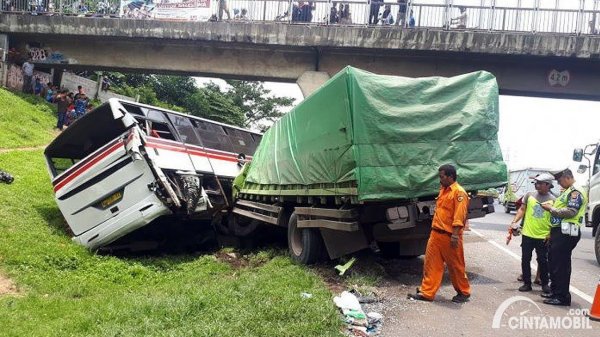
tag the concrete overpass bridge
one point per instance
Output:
(533, 64)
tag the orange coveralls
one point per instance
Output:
(451, 210)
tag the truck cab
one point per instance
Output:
(592, 214)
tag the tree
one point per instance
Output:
(244, 103)
(257, 103)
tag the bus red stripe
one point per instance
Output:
(88, 165)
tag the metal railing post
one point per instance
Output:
(368, 11)
(290, 11)
(264, 10)
(535, 16)
(504, 19)
(579, 20)
(492, 14)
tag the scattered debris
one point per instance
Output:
(359, 323)
(235, 260)
(306, 295)
(5, 177)
(342, 268)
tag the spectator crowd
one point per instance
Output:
(69, 106)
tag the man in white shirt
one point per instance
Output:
(27, 70)
(461, 20)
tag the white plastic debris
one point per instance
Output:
(306, 295)
(347, 301)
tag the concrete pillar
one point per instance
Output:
(310, 81)
(3, 63)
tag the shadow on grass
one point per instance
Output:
(34, 100)
(54, 219)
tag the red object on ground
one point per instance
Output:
(595, 310)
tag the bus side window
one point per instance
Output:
(185, 128)
(213, 136)
(160, 130)
(241, 141)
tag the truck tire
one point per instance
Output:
(597, 245)
(389, 250)
(304, 244)
(242, 226)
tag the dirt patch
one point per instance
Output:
(31, 148)
(7, 287)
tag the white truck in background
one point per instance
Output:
(592, 214)
(520, 183)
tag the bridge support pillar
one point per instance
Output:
(310, 81)
(3, 63)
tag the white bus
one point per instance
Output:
(125, 164)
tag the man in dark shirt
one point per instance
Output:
(62, 101)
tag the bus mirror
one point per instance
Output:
(582, 168)
(577, 155)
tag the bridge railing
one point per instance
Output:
(329, 12)
(62, 7)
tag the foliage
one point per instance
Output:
(256, 102)
(25, 120)
(246, 104)
(65, 290)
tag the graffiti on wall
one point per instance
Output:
(47, 55)
(14, 78)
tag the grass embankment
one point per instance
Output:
(25, 120)
(64, 290)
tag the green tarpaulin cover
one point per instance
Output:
(385, 136)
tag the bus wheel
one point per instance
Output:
(305, 244)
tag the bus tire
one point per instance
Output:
(304, 244)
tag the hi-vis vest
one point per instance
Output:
(537, 220)
(562, 202)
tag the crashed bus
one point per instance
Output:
(125, 164)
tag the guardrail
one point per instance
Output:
(328, 12)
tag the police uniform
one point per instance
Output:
(562, 245)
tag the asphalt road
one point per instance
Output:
(493, 268)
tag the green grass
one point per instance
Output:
(64, 290)
(25, 120)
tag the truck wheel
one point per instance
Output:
(597, 245)
(242, 226)
(390, 250)
(305, 244)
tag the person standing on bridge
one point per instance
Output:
(223, 8)
(445, 244)
(567, 215)
(374, 11)
(536, 229)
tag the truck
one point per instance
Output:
(355, 164)
(592, 214)
(520, 183)
(125, 165)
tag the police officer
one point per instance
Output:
(567, 215)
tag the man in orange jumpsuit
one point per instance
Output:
(445, 243)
